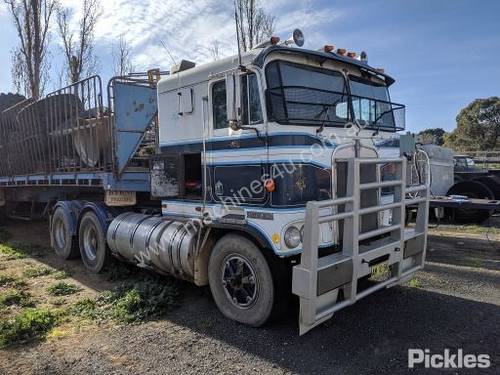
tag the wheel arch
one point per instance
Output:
(218, 231)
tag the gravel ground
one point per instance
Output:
(454, 303)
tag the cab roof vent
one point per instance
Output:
(183, 65)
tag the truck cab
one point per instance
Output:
(255, 145)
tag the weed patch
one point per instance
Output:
(30, 324)
(413, 283)
(37, 271)
(63, 289)
(61, 275)
(8, 280)
(15, 297)
(19, 250)
(131, 302)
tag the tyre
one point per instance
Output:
(241, 281)
(471, 189)
(92, 243)
(63, 242)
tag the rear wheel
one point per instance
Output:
(471, 189)
(92, 241)
(241, 281)
(63, 242)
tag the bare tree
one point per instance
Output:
(30, 59)
(78, 45)
(214, 49)
(122, 60)
(254, 24)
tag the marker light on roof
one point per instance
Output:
(341, 51)
(275, 40)
(352, 55)
(364, 56)
(327, 48)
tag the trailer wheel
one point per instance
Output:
(92, 241)
(62, 240)
(471, 189)
(241, 281)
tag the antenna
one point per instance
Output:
(168, 51)
(236, 22)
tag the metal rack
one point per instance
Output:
(330, 283)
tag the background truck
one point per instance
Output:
(254, 174)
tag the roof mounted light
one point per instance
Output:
(363, 57)
(297, 38)
(274, 40)
(351, 54)
(327, 48)
(341, 51)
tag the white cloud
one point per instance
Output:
(188, 27)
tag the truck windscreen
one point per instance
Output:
(304, 95)
(301, 95)
(372, 106)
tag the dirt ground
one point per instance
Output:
(454, 303)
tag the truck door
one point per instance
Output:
(236, 158)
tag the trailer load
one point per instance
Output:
(257, 175)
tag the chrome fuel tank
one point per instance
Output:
(154, 242)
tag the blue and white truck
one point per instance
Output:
(255, 174)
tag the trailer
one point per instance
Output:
(256, 175)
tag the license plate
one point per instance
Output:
(120, 198)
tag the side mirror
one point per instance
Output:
(232, 101)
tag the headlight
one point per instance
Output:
(292, 237)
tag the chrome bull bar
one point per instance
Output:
(330, 283)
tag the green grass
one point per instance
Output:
(131, 302)
(61, 275)
(15, 297)
(63, 289)
(413, 283)
(8, 280)
(380, 272)
(37, 271)
(30, 324)
(12, 250)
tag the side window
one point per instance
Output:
(250, 100)
(219, 109)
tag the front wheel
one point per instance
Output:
(241, 281)
(92, 241)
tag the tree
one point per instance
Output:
(30, 59)
(122, 61)
(254, 25)
(9, 100)
(78, 46)
(478, 127)
(214, 49)
(435, 136)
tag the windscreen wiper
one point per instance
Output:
(326, 111)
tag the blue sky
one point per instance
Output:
(442, 53)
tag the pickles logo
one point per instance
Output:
(447, 360)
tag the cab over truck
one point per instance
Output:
(252, 174)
